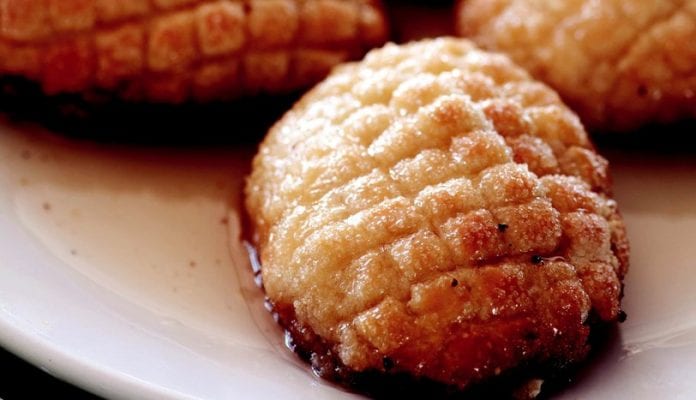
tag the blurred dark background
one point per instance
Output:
(21, 380)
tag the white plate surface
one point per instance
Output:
(117, 274)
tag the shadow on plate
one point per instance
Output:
(103, 118)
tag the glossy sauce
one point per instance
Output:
(148, 224)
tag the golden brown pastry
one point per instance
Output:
(433, 211)
(619, 64)
(175, 50)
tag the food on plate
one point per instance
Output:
(433, 212)
(176, 50)
(619, 64)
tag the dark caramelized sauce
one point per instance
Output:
(255, 263)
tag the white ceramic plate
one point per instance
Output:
(116, 274)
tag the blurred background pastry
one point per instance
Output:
(619, 64)
(176, 50)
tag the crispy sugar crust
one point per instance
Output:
(435, 207)
(619, 64)
(176, 50)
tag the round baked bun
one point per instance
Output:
(619, 64)
(433, 212)
(174, 51)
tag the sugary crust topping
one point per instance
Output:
(619, 64)
(173, 50)
(434, 205)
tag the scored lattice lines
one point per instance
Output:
(270, 23)
(202, 49)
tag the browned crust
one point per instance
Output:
(519, 383)
(390, 383)
(175, 50)
(435, 207)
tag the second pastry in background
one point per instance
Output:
(176, 50)
(619, 64)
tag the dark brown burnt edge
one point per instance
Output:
(321, 355)
(511, 384)
(104, 117)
